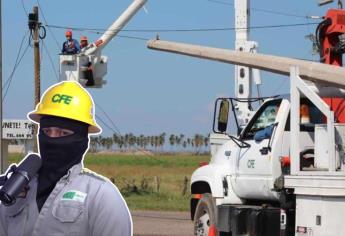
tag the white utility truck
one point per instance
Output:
(283, 171)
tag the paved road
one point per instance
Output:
(162, 223)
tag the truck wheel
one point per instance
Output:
(205, 217)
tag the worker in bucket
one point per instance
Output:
(70, 46)
(83, 42)
(87, 67)
(65, 198)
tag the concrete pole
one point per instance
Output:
(312, 71)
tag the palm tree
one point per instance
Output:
(108, 142)
(172, 140)
(152, 141)
(198, 142)
(116, 140)
(156, 142)
(189, 141)
(184, 144)
(93, 144)
(162, 139)
(131, 140)
(206, 140)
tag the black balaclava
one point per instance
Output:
(59, 154)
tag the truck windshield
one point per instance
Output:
(264, 118)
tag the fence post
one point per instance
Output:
(157, 183)
(185, 184)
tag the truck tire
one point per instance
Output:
(205, 217)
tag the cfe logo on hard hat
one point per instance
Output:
(62, 98)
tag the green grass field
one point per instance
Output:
(136, 177)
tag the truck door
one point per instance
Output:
(253, 167)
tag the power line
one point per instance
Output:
(16, 64)
(51, 62)
(16, 61)
(108, 117)
(106, 125)
(12, 74)
(268, 10)
(46, 22)
(280, 86)
(99, 30)
(132, 37)
(115, 130)
(23, 5)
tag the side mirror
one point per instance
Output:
(223, 115)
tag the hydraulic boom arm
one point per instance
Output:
(115, 28)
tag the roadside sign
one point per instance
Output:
(17, 129)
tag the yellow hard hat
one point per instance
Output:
(67, 99)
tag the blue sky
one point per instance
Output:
(149, 91)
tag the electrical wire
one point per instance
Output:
(18, 60)
(280, 86)
(132, 37)
(23, 5)
(12, 74)
(108, 117)
(51, 62)
(46, 22)
(269, 11)
(106, 125)
(99, 30)
(115, 130)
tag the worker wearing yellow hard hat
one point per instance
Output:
(67, 100)
(65, 198)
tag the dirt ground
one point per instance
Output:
(156, 223)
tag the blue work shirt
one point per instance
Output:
(70, 47)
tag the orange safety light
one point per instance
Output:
(197, 196)
(304, 114)
(212, 231)
(285, 160)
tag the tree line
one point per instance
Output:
(156, 143)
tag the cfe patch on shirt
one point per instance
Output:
(74, 195)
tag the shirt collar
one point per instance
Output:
(73, 171)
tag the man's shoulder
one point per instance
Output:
(93, 175)
(106, 189)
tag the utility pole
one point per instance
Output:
(34, 26)
(245, 77)
(37, 58)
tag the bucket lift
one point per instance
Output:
(89, 66)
